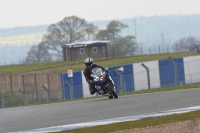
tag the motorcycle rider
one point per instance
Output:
(88, 71)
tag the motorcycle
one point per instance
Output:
(102, 83)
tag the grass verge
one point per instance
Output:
(61, 66)
(138, 123)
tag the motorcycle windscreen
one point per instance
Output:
(97, 71)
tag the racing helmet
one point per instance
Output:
(88, 62)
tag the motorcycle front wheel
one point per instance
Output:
(111, 90)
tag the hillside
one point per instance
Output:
(151, 31)
(22, 30)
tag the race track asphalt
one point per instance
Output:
(48, 115)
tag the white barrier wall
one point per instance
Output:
(192, 69)
(140, 75)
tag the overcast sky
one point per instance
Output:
(14, 13)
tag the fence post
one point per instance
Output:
(148, 76)
(120, 71)
(125, 87)
(24, 97)
(150, 50)
(2, 101)
(48, 92)
(71, 89)
(11, 88)
(175, 70)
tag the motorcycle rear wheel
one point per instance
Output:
(111, 90)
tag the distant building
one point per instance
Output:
(82, 50)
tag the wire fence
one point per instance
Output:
(20, 98)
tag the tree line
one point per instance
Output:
(74, 29)
(187, 44)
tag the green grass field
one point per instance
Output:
(60, 67)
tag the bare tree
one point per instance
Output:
(186, 44)
(73, 28)
(193, 43)
(123, 46)
(126, 46)
(180, 45)
(91, 32)
(120, 46)
(70, 29)
(51, 42)
(114, 28)
(38, 54)
(102, 35)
